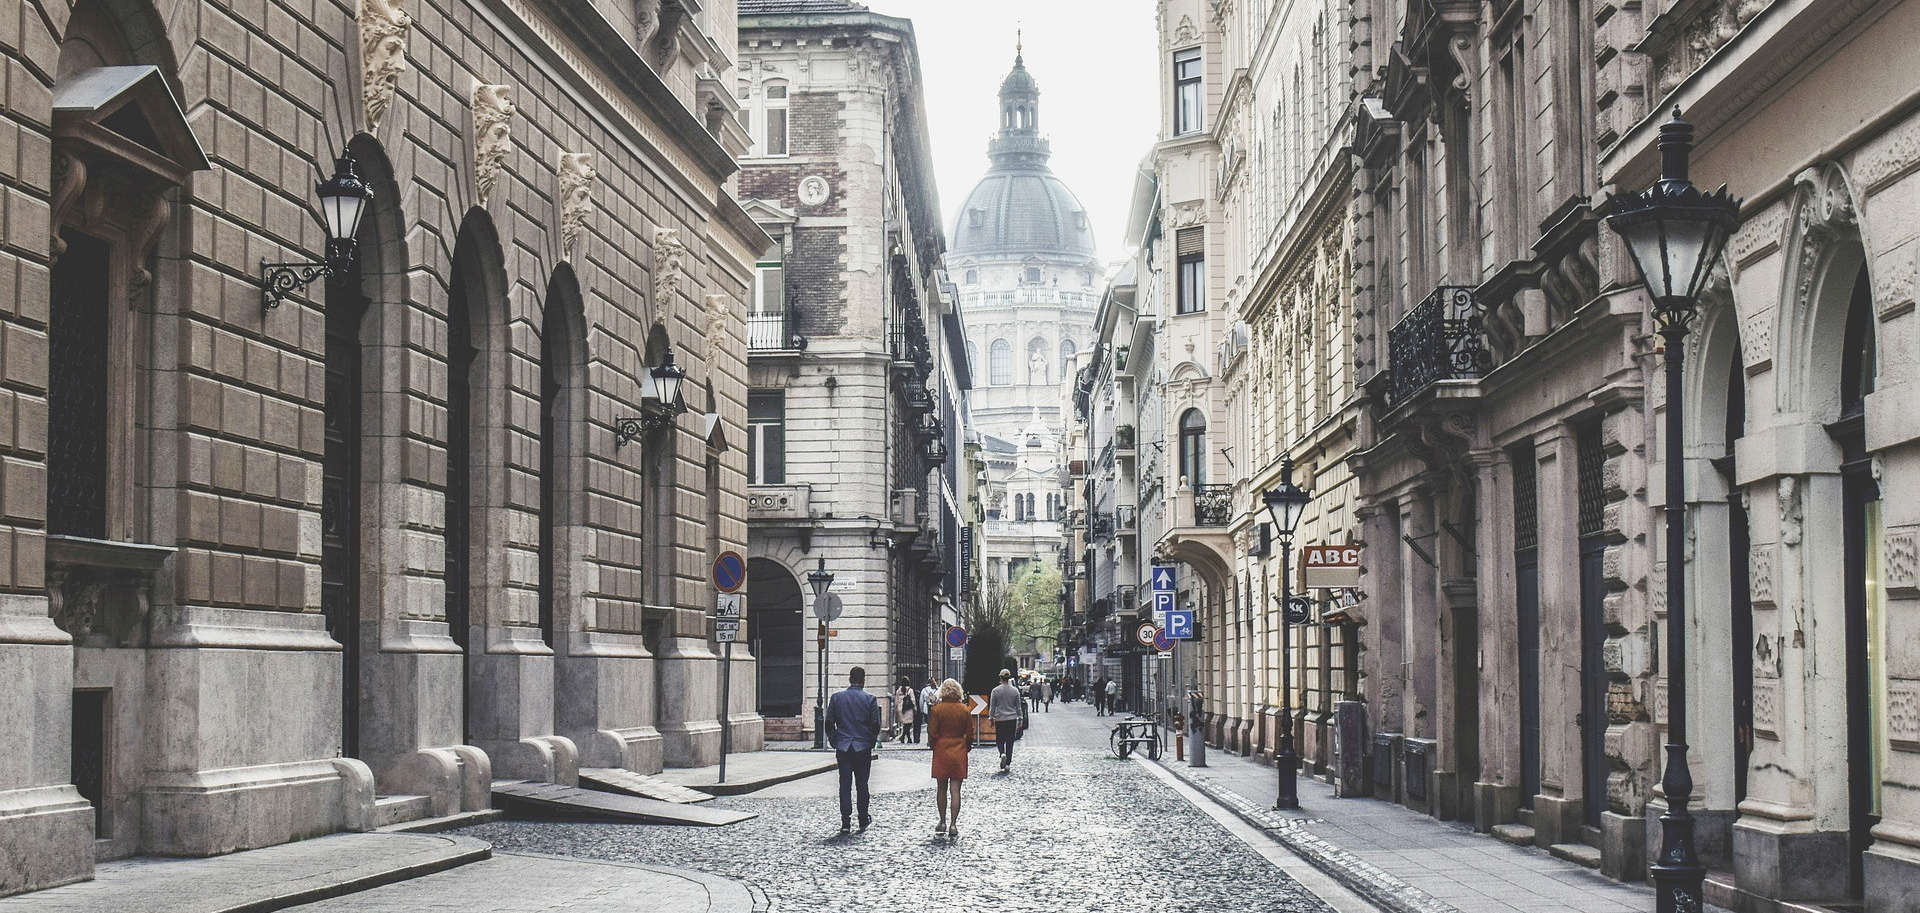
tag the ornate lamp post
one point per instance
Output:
(821, 581)
(1674, 231)
(1285, 504)
(343, 203)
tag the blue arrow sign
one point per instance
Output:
(1163, 577)
(1180, 624)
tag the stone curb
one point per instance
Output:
(744, 787)
(1355, 874)
(468, 850)
(724, 895)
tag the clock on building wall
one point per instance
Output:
(814, 190)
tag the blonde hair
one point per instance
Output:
(950, 691)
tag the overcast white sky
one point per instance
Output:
(1095, 61)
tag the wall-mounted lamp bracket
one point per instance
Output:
(278, 281)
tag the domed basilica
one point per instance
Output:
(1022, 253)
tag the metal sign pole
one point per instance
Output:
(726, 691)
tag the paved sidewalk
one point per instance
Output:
(255, 881)
(749, 771)
(525, 882)
(1405, 861)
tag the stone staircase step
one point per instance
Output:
(392, 810)
(454, 821)
(1576, 853)
(1516, 834)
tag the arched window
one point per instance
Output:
(1000, 363)
(1067, 352)
(973, 355)
(1193, 448)
(1037, 372)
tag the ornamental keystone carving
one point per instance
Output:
(1186, 32)
(384, 28)
(493, 110)
(669, 263)
(1760, 575)
(576, 173)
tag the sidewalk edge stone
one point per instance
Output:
(723, 894)
(1352, 872)
(468, 850)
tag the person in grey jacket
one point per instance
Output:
(853, 722)
(1008, 713)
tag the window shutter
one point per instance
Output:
(1190, 242)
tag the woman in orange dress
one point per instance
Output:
(950, 732)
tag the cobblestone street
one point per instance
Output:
(1071, 828)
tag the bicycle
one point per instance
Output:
(1135, 732)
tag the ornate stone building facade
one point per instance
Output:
(346, 558)
(857, 367)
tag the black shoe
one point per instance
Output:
(845, 826)
(866, 822)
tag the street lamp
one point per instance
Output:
(343, 203)
(666, 378)
(820, 581)
(1285, 504)
(1674, 231)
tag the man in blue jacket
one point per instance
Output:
(853, 724)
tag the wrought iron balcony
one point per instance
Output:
(1102, 528)
(1126, 519)
(1442, 338)
(1124, 598)
(1123, 437)
(1212, 505)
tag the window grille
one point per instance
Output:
(1590, 460)
(1526, 500)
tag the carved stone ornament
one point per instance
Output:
(1186, 32)
(384, 28)
(493, 110)
(719, 308)
(576, 173)
(69, 182)
(1790, 511)
(669, 265)
(1186, 214)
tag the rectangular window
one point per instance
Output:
(766, 437)
(776, 140)
(770, 282)
(1186, 92)
(1190, 257)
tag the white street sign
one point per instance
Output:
(727, 606)
(979, 705)
(726, 632)
(957, 654)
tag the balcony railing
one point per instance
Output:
(1212, 505)
(773, 333)
(1126, 519)
(1442, 338)
(1102, 528)
(1123, 437)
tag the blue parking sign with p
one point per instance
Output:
(1180, 624)
(1162, 602)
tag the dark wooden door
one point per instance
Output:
(1527, 580)
(780, 643)
(340, 496)
(1593, 679)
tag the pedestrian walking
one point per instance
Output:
(950, 732)
(1033, 692)
(906, 707)
(1113, 696)
(1100, 696)
(1046, 693)
(853, 722)
(1009, 714)
(929, 696)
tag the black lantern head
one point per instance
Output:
(819, 580)
(666, 384)
(1286, 503)
(343, 203)
(1674, 231)
(936, 450)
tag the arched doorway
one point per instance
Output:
(476, 292)
(778, 637)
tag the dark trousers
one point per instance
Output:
(1004, 732)
(854, 768)
(1099, 704)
